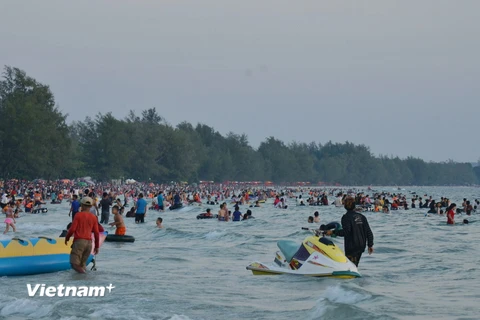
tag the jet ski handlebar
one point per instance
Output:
(317, 232)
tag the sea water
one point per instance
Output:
(195, 269)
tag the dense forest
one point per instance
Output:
(37, 142)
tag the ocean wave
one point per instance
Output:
(179, 317)
(338, 302)
(112, 312)
(25, 307)
(382, 249)
(171, 232)
(338, 294)
(215, 234)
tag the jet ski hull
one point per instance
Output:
(260, 269)
(313, 258)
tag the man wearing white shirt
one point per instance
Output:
(4, 199)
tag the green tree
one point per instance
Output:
(34, 137)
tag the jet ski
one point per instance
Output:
(316, 256)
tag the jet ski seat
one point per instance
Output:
(326, 241)
(288, 248)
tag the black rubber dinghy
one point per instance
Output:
(205, 216)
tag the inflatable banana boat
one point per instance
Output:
(20, 257)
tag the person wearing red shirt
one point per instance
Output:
(82, 227)
(451, 213)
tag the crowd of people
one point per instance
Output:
(92, 204)
(29, 196)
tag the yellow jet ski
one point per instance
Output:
(316, 256)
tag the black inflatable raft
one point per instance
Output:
(176, 206)
(40, 210)
(205, 216)
(115, 238)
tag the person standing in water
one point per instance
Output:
(237, 215)
(81, 229)
(160, 201)
(141, 207)
(75, 207)
(10, 218)
(356, 231)
(94, 207)
(221, 213)
(105, 204)
(451, 213)
(118, 222)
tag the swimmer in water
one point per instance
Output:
(208, 213)
(310, 219)
(159, 223)
(316, 216)
(248, 215)
(451, 213)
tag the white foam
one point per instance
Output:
(320, 309)
(179, 317)
(27, 307)
(29, 228)
(338, 294)
(186, 209)
(111, 311)
(215, 234)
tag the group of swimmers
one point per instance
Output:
(226, 215)
(164, 197)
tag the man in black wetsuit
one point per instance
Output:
(356, 231)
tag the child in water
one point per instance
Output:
(248, 215)
(159, 223)
(118, 221)
(316, 218)
(10, 219)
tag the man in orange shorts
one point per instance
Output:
(118, 221)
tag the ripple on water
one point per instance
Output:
(26, 308)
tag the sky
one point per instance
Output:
(401, 77)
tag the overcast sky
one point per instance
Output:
(399, 76)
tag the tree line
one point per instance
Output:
(37, 142)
